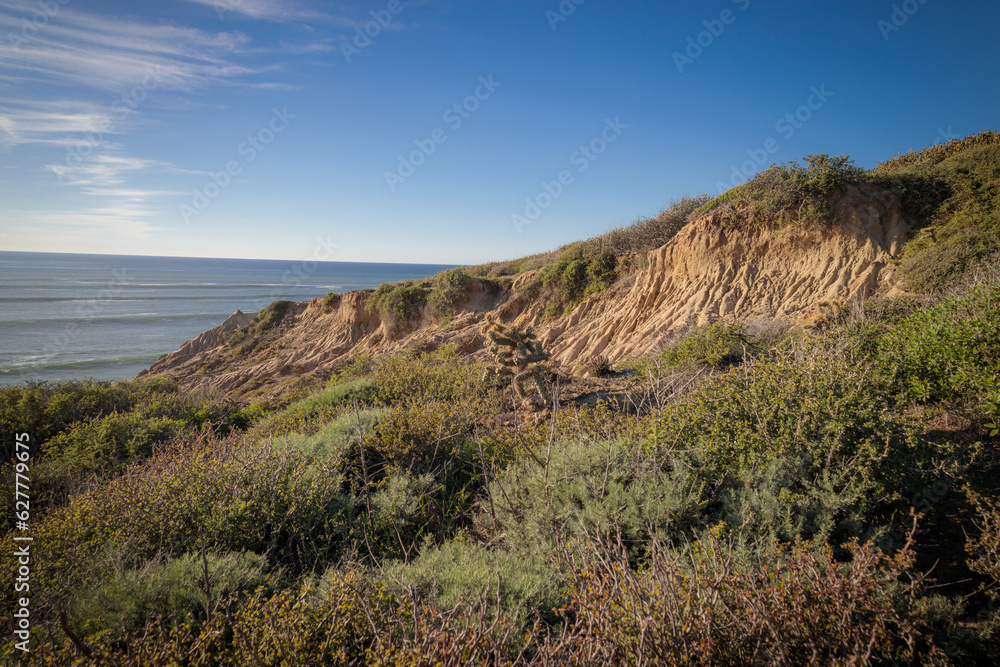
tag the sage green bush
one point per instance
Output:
(459, 571)
(272, 315)
(783, 194)
(174, 587)
(449, 291)
(583, 485)
(398, 304)
(413, 378)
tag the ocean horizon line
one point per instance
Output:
(66, 315)
(232, 259)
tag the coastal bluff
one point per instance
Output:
(709, 271)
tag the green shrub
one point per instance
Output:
(403, 511)
(91, 431)
(651, 233)
(822, 175)
(949, 353)
(859, 327)
(716, 346)
(830, 413)
(450, 289)
(104, 445)
(420, 436)
(331, 300)
(403, 469)
(787, 499)
(340, 438)
(641, 236)
(238, 494)
(956, 188)
(984, 550)
(713, 604)
(272, 315)
(785, 194)
(934, 266)
(458, 572)
(42, 410)
(582, 485)
(311, 414)
(398, 304)
(237, 338)
(177, 587)
(583, 269)
(409, 377)
(333, 622)
(937, 153)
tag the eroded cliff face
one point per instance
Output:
(705, 273)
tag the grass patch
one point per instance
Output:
(310, 414)
(784, 194)
(272, 315)
(188, 587)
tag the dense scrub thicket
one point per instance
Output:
(757, 495)
(758, 487)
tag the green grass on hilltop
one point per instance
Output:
(782, 194)
(573, 272)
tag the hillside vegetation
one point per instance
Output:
(752, 493)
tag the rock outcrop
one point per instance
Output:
(209, 340)
(705, 273)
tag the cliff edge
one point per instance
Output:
(708, 271)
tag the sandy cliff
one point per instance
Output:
(705, 273)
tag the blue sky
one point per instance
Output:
(452, 132)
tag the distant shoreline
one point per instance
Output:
(70, 316)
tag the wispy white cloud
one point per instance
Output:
(280, 11)
(134, 194)
(124, 218)
(101, 170)
(78, 81)
(57, 123)
(91, 76)
(112, 55)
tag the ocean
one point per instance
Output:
(70, 317)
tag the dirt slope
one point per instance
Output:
(705, 273)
